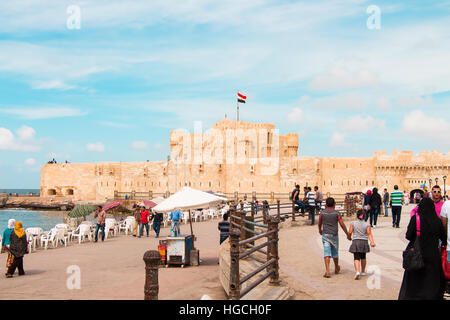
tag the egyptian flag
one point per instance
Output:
(241, 98)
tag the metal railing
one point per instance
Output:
(243, 238)
(134, 195)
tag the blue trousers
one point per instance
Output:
(141, 229)
(300, 205)
(103, 232)
(386, 209)
(156, 227)
(374, 215)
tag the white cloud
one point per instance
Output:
(26, 133)
(341, 102)
(418, 124)
(295, 116)
(44, 113)
(406, 102)
(115, 124)
(30, 162)
(359, 123)
(95, 147)
(9, 142)
(139, 145)
(383, 103)
(337, 140)
(339, 78)
(52, 84)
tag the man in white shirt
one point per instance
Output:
(311, 198)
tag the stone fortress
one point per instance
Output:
(243, 157)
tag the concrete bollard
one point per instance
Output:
(152, 259)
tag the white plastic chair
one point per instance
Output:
(127, 225)
(166, 219)
(82, 232)
(196, 215)
(110, 226)
(185, 217)
(61, 235)
(35, 234)
(49, 237)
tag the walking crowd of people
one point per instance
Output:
(425, 259)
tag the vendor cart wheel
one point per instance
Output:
(182, 265)
(167, 265)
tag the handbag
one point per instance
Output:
(412, 256)
(445, 264)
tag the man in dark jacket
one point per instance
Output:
(386, 202)
(375, 206)
(157, 219)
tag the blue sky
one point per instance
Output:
(113, 89)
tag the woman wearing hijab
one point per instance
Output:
(427, 283)
(6, 242)
(18, 247)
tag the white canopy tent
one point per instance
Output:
(188, 198)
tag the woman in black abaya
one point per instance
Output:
(429, 282)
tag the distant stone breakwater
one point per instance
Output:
(35, 203)
(46, 203)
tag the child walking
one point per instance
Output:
(361, 232)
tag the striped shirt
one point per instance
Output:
(397, 198)
(224, 227)
(311, 196)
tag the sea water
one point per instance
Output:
(20, 191)
(31, 218)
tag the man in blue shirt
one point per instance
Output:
(175, 217)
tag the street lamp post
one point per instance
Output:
(437, 179)
(184, 167)
(168, 159)
(430, 181)
(176, 173)
(445, 193)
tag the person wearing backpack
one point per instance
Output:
(428, 282)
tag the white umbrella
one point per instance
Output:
(188, 198)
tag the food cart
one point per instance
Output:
(179, 250)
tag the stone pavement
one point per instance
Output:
(301, 262)
(115, 269)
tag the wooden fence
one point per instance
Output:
(243, 237)
(247, 227)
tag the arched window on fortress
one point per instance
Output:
(334, 166)
(367, 183)
(210, 183)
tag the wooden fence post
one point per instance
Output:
(234, 293)
(152, 259)
(273, 252)
(264, 213)
(253, 209)
(278, 209)
(293, 211)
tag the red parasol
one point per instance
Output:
(111, 205)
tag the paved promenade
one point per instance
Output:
(115, 269)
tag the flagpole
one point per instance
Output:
(237, 105)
